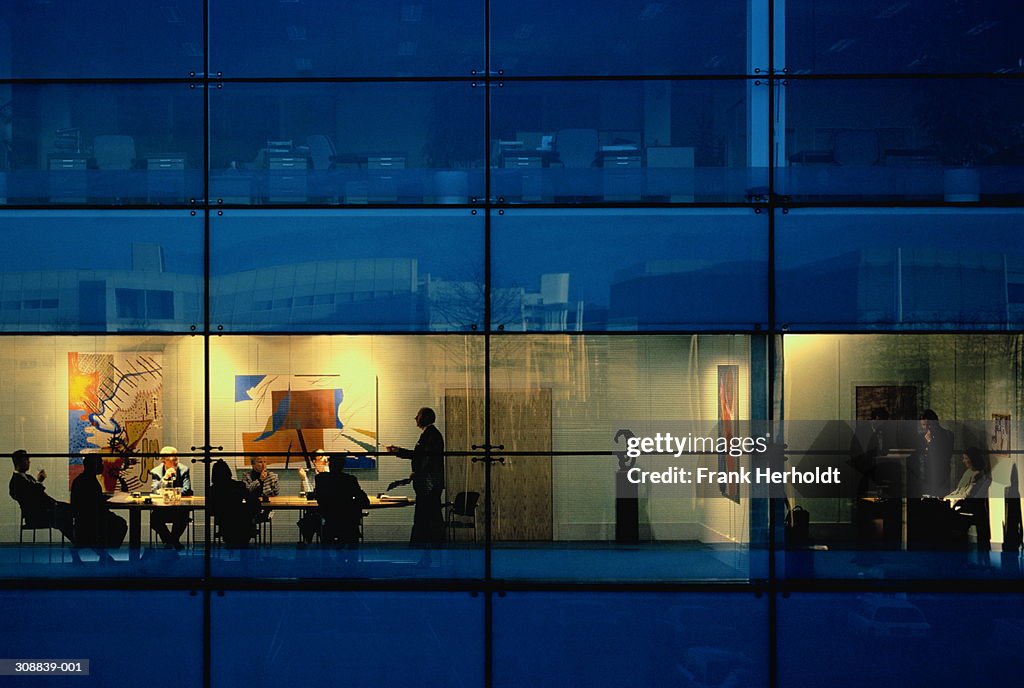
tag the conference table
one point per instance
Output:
(151, 502)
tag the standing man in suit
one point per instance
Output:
(169, 474)
(934, 455)
(427, 480)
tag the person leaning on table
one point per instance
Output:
(227, 503)
(95, 524)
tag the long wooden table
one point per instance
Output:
(136, 505)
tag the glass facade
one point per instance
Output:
(253, 249)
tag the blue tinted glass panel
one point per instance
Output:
(956, 140)
(113, 144)
(629, 270)
(669, 639)
(73, 624)
(356, 270)
(116, 38)
(899, 269)
(899, 639)
(322, 38)
(429, 639)
(917, 36)
(349, 144)
(652, 141)
(533, 37)
(97, 271)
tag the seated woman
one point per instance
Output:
(975, 481)
(970, 498)
(227, 500)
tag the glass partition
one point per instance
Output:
(101, 144)
(899, 269)
(428, 639)
(627, 141)
(953, 140)
(349, 270)
(46, 40)
(631, 37)
(78, 270)
(347, 143)
(916, 36)
(321, 38)
(634, 270)
(897, 638)
(700, 639)
(80, 637)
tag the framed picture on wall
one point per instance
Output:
(999, 443)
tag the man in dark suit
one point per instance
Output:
(934, 456)
(427, 480)
(39, 509)
(341, 502)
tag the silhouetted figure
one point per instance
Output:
(228, 503)
(427, 480)
(168, 473)
(95, 524)
(341, 503)
(929, 474)
(40, 509)
(311, 522)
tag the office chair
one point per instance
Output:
(114, 152)
(34, 527)
(577, 147)
(463, 507)
(321, 151)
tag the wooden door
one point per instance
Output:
(521, 488)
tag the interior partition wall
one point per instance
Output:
(259, 230)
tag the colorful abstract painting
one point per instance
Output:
(115, 404)
(293, 414)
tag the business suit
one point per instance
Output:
(40, 509)
(428, 482)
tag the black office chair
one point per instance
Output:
(461, 513)
(34, 526)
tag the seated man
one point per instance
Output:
(95, 524)
(341, 503)
(311, 521)
(39, 509)
(260, 483)
(169, 474)
(227, 504)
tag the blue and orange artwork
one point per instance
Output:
(115, 404)
(305, 412)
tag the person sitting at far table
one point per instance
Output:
(311, 521)
(169, 474)
(341, 501)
